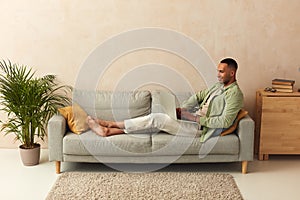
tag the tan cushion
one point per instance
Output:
(76, 118)
(242, 113)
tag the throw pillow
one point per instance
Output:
(242, 113)
(76, 118)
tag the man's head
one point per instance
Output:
(227, 71)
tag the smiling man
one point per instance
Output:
(213, 109)
(218, 105)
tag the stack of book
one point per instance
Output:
(283, 85)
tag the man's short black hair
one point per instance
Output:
(230, 62)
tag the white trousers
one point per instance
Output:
(156, 122)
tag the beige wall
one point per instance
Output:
(57, 36)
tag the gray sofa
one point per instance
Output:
(142, 148)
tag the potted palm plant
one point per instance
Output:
(29, 103)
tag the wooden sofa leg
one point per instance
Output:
(244, 167)
(57, 165)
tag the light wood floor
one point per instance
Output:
(277, 178)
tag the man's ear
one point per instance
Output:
(232, 73)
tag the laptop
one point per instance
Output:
(164, 102)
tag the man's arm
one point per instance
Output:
(190, 105)
(183, 113)
(195, 100)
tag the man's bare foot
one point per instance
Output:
(110, 124)
(104, 123)
(94, 126)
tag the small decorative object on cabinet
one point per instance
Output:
(277, 123)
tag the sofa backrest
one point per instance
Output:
(114, 105)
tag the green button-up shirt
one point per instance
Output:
(222, 109)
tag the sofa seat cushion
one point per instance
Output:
(166, 144)
(159, 144)
(88, 143)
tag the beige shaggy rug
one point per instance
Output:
(152, 185)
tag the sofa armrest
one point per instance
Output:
(56, 132)
(245, 133)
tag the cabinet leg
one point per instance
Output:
(263, 157)
(57, 165)
(266, 156)
(244, 167)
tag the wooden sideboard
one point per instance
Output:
(277, 123)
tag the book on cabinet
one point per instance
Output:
(279, 81)
(283, 90)
(283, 85)
(277, 86)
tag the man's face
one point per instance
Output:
(225, 74)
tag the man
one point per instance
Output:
(216, 109)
